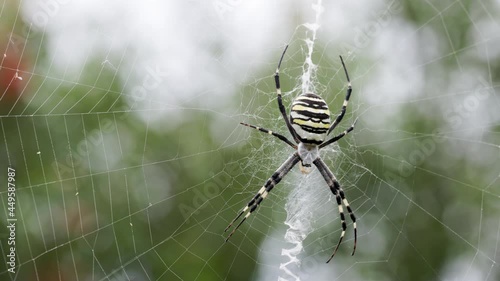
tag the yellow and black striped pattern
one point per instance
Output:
(310, 118)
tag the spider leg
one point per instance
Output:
(339, 194)
(339, 136)
(280, 101)
(281, 137)
(264, 191)
(346, 101)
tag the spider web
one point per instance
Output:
(121, 122)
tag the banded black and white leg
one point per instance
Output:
(340, 196)
(339, 136)
(282, 110)
(346, 100)
(264, 191)
(279, 136)
(280, 100)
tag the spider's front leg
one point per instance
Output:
(264, 191)
(280, 101)
(346, 100)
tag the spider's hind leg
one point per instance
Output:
(264, 191)
(340, 196)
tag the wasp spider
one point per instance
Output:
(309, 126)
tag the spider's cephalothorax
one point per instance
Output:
(309, 125)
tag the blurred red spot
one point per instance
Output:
(13, 75)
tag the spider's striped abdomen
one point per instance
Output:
(310, 118)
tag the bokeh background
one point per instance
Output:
(121, 122)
